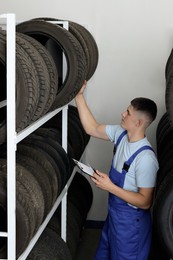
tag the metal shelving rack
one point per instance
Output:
(13, 138)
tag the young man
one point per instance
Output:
(126, 234)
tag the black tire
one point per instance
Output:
(163, 214)
(163, 171)
(166, 149)
(165, 139)
(3, 126)
(50, 246)
(169, 98)
(73, 113)
(157, 251)
(81, 195)
(56, 135)
(164, 120)
(26, 90)
(2, 92)
(74, 226)
(41, 177)
(64, 40)
(86, 41)
(60, 157)
(41, 158)
(41, 73)
(52, 156)
(92, 48)
(32, 187)
(169, 66)
(27, 93)
(75, 135)
(34, 191)
(51, 67)
(25, 215)
(51, 139)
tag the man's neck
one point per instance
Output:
(135, 137)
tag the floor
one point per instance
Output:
(88, 244)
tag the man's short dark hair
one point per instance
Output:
(145, 105)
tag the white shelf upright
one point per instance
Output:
(13, 138)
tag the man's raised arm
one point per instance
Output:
(87, 119)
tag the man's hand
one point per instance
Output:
(102, 180)
(81, 91)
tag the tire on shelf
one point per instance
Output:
(34, 191)
(51, 67)
(169, 66)
(41, 177)
(162, 125)
(92, 47)
(51, 155)
(169, 98)
(59, 156)
(80, 194)
(49, 34)
(2, 91)
(76, 136)
(27, 94)
(3, 125)
(51, 139)
(27, 90)
(163, 213)
(50, 246)
(73, 113)
(74, 226)
(25, 215)
(87, 42)
(164, 170)
(56, 135)
(166, 149)
(32, 187)
(74, 229)
(41, 72)
(40, 157)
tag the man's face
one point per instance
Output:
(130, 118)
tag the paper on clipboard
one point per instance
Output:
(84, 168)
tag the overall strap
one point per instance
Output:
(131, 159)
(119, 140)
(120, 137)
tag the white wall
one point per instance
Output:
(134, 39)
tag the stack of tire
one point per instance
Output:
(162, 247)
(42, 170)
(43, 167)
(50, 245)
(40, 83)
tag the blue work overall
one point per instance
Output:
(126, 234)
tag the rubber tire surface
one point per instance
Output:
(51, 67)
(41, 73)
(76, 65)
(50, 246)
(25, 215)
(163, 214)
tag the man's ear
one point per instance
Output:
(139, 122)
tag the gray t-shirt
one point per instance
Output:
(143, 170)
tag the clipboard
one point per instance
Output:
(84, 168)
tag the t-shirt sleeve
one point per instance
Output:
(113, 132)
(146, 171)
